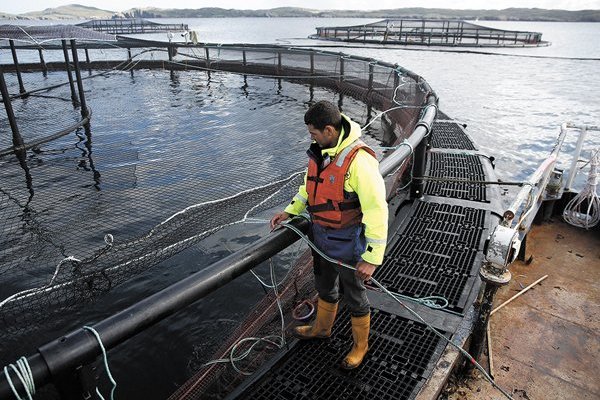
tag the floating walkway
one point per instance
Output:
(435, 249)
(430, 32)
(130, 26)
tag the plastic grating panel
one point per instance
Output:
(401, 354)
(450, 135)
(456, 166)
(435, 253)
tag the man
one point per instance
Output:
(345, 195)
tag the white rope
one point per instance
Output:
(23, 371)
(105, 357)
(33, 291)
(576, 213)
(275, 340)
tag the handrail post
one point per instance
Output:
(13, 50)
(419, 164)
(74, 97)
(17, 139)
(84, 110)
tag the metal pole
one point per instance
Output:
(573, 169)
(42, 61)
(84, 110)
(80, 347)
(480, 328)
(17, 69)
(69, 74)
(419, 164)
(17, 139)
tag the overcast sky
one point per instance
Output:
(21, 6)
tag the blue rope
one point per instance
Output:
(110, 377)
(435, 302)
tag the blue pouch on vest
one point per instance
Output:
(346, 244)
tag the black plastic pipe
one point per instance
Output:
(80, 346)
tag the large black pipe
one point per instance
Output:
(80, 347)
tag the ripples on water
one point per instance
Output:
(513, 106)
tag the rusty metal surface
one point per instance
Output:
(546, 343)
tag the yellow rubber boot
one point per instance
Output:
(321, 326)
(360, 335)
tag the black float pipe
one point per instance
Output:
(17, 69)
(84, 110)
(80, 346)
(69, 74)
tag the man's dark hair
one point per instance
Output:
(323, 113)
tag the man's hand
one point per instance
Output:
(364, 270)
(278, 219)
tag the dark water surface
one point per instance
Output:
(161, 142)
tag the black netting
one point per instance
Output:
(41, 34)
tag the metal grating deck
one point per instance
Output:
(450, 135)
(401, 354)
(456, 166)
(435, 253)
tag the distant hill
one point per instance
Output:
(71, 11)
(75, 11)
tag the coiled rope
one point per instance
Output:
(410, 310)
(23, 372)
(275, 340)
(576, 213)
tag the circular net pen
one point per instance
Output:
(182, 144)
(426, 32)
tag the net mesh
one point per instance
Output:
(153, 175)
(41, 34)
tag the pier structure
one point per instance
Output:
(430, 32)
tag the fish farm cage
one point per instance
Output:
(129, 26)
(430, 32)
(72, 233)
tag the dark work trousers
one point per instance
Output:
(328, 279)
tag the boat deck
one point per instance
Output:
(546, 343)
(435, 248)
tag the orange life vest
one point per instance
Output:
(328, 203)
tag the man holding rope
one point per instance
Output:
(344, 194)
